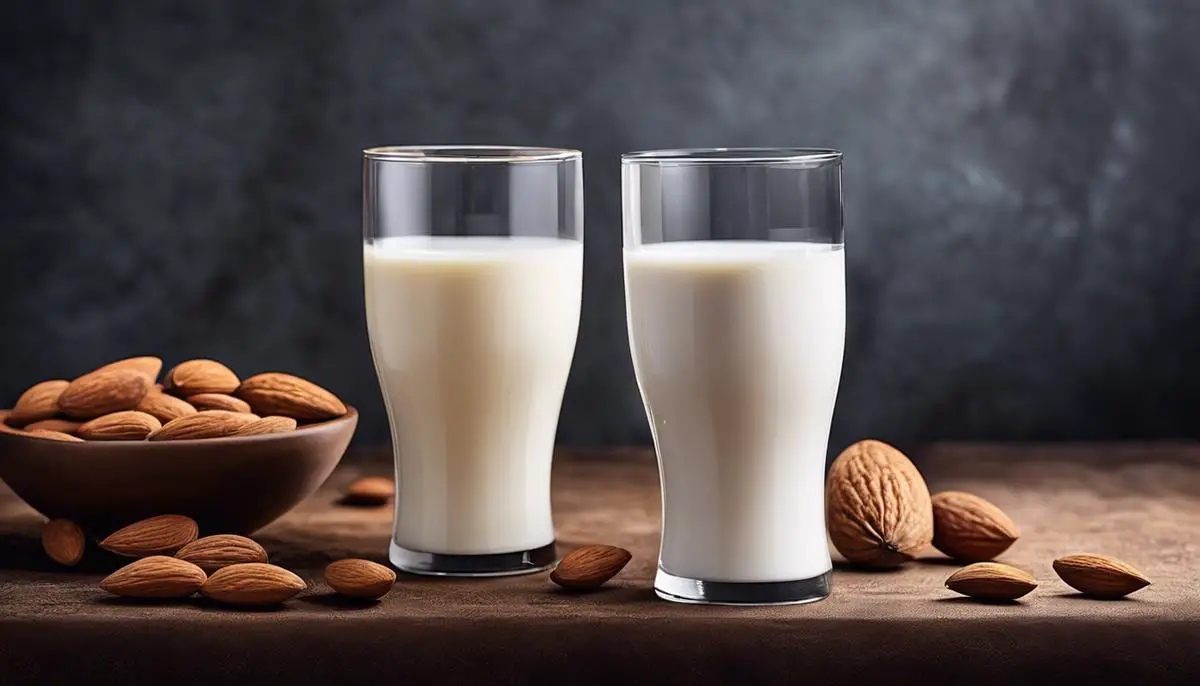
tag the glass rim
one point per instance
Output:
(740, 156)
(470, 154)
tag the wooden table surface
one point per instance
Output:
(1137, 502)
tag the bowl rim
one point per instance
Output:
(351, 415)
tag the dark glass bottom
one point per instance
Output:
(680, 589)
(500, 564)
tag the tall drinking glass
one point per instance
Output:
(735, 295)
(472, 261)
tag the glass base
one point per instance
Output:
(500, 564)
(680, 589)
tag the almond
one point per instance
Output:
(214, 552)
(5, 428)
(218, 401)
(1100, 576)
(149, 366)
(65, 426)
(370, 490)
(252, 583)
(157, 577)
(200, 376)
(165, 407)
(53, 436)
(103, 392)
(161, 535)
(590, 566)
(128, 425)
(63, 541)
(360, 578)
(39, 402)
(206, 424)
(991, 581)
(267, 425)
(290, 396)
(967, 527)
(877, 506)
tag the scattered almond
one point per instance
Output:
(127, 425)
(967, 527)
(991, 581)
(65, 426)
(165, 407)
(157, 577)
(161, 535)
(200, 376)
(360, 578)
(63, 541)
(267, 425)
(149, 366)
(53, 436)
(252, 583)
(877, 505)
(206, 424)
(39, 402)
(274, 393)
(103, 392)
(218, 401)
(590, 566)
(1100, 576)
(214, 552)
(370, 490)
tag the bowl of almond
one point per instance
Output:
(116, 445)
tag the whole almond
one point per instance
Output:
(53, 436)
(103, 392)
(128, 425)
(590, 566)
(252, 583)
(165, 407)
(149, 366)
(65, 426)
(218, 401)
(991, 581)
(267, 425)
(63, 541)
(200, 376)
(206, 424)
(157, 577)
(370, 490)
(290, 396)
(877, 506)
(1100, 576)
(360, 578)
(40, 401)
(161, 535)
(214, 552)
(967, 527)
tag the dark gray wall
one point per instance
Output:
(1023, 205)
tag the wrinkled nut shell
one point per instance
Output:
(155, 578)
(267, 425)
(252, 583)
(991, 581)
(200, 376)
(877, 506)
(148, 366)
(103, 392)
(63, 541)
(214, 552)
(127, 425)
(40, 401)
(206, 424)
(65, 426)
(165, 407)
(218, 401)
(274, 393)
(590, 567)
(967, 527)
(161, 535)
(53, 436)
(1100, 576)
(360, 578)
(369, 491)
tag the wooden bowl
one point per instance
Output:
(237, 484)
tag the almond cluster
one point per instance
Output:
(123, 401)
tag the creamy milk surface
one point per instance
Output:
(738, 347)
(472, 339)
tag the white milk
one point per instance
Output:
(472, 340)
(738, 351)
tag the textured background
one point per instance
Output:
(1023, 205)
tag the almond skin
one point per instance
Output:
(128, 425)
(991, 581)
(590, 567)
(5, 428)
(161, 535)
(370, 491)
(206, 424)
(65, 426)
(149, 366)
(267, 425)
(218, 401)
(155, 578)
(40, 401)
(214, 552)
(1100, 576)
(200, 376)
(165, 407)
(63, 541)
(103, 392)
(252, 583)
(290, 396)
(967, 527)
(360, 578)
(53, 436)
(877, 506)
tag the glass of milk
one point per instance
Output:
(472, 261)
(736, 306)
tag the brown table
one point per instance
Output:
(1140, 503)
